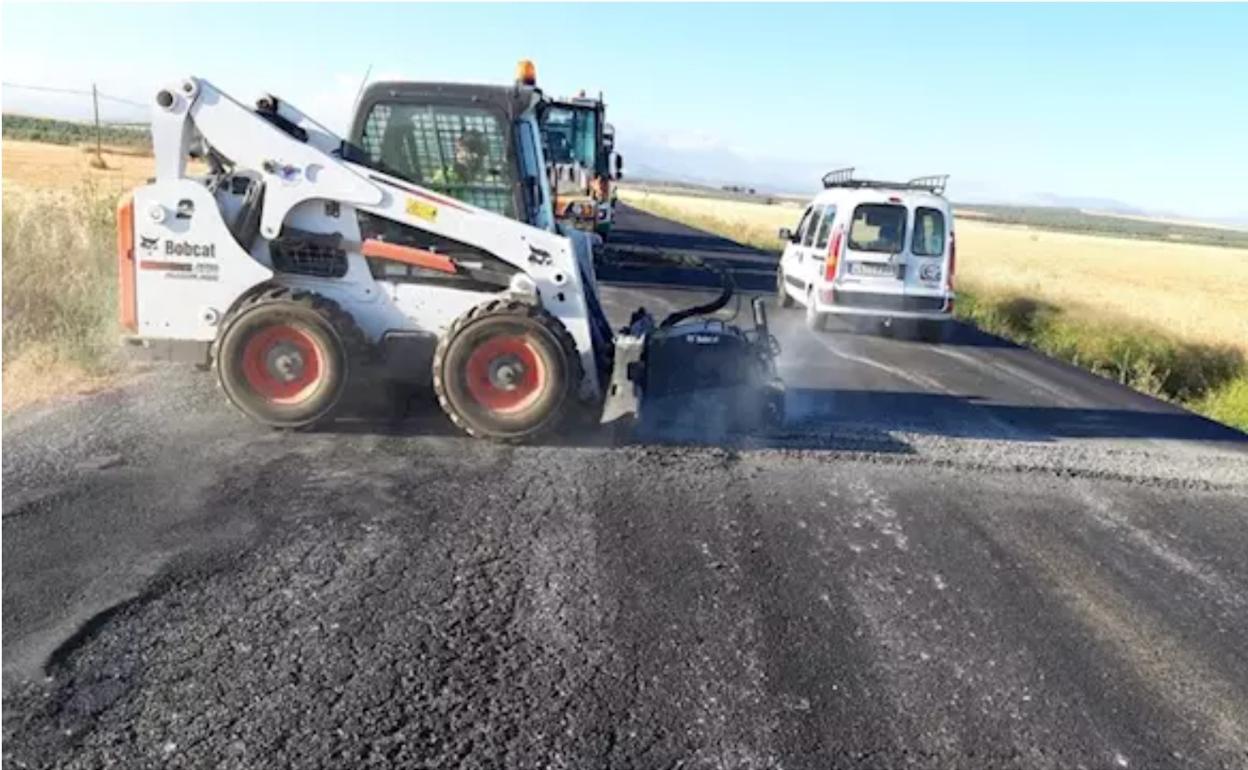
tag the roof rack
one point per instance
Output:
(934, 183)
(844, 177)
(841, 177)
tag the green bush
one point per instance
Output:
(1227, 404)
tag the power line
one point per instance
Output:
(78, 92)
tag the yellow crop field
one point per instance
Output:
(39, 166)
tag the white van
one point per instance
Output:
(873, 249)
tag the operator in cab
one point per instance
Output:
(469, 163)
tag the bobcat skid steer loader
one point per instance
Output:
(423, 251)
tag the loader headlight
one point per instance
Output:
(523, 287)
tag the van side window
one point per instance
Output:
(825, 227)
(929, 233)
(812, 225)
(800, 233)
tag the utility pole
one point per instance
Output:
(95, 100)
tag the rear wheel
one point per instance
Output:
(283, 357)
(933, 331)
(506, 370)
(782, 292)
(814, 319)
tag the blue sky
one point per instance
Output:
(1143, 104)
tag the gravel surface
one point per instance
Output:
(961, 555)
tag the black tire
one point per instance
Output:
(477, 361)
(933, 332)
(259, 340)
(815, 321)
(782, 295)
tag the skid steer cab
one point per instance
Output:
(423, 251)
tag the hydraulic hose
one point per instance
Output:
(727, 287)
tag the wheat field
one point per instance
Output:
(37, 166)
(1196, 293)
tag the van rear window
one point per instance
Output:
(929, 233)
(878, 227)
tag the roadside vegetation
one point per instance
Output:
(60, 282)
(24, 128)
(59, 292)
(1210, 379)
(1164, 318)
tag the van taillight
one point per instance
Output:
(834, 254)
(953, 258)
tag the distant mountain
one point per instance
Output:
(1085, 202)
(1239, 219)
(717, 166)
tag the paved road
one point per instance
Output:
(952, 556)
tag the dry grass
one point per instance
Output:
(59, 291)
(34, 166)
(1195, 293)
(60, 306)
(1166, 318)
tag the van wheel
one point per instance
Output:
(782, 292)
(934, 332)
(815, 321)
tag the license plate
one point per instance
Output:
(873, 269)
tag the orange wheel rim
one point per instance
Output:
(282, 364)
(505, 374)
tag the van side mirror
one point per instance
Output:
(785, 234)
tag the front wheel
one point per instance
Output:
(506, 370)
